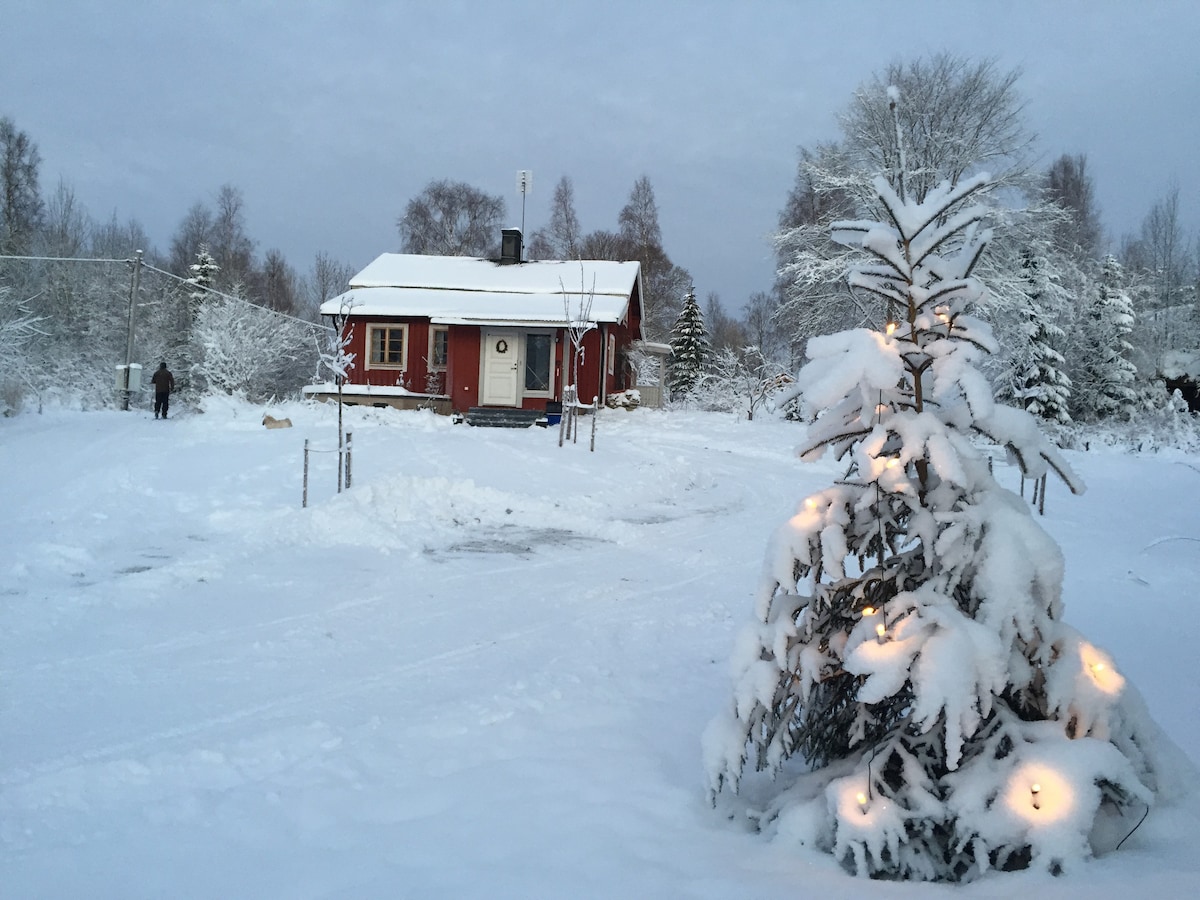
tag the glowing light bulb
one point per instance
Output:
(1099, 668)
(862, 802)
(891, 327)
(868, 611)
(1035, 790)
(810, 503)
(881, 631)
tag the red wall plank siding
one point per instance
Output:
(462, 373)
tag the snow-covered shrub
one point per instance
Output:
(1162, 421)
(740, 381)
(630, 399)
(648, 366)
(249, 350)
(17, 326)
(908, 640)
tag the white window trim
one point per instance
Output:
(549, 392)
(394, 367)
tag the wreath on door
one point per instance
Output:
(501, 346)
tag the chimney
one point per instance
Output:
(510, 246)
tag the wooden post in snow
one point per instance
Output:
(304, 498)
(595, 416)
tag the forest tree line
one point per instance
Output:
(1089, 324)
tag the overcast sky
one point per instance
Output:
(330, 116)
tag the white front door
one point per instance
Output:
(500, 368)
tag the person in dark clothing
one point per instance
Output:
(164, 383)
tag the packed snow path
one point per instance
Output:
(481, 672)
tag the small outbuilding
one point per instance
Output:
(1180, 371)
(456, 333)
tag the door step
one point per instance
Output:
(499, 417)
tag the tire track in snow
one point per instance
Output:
(163, 739)
(219, 636)
(195, 640)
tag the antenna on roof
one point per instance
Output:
(524, 186)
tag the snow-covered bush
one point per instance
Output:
(908, 640)
(739, 381)
(250, 350)
(630, 399)
(17, 328)
(1162, 421)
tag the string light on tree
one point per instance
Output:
(1041, 795)
(1100, 669)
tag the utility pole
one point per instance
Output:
(133, 297)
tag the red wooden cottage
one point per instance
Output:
(457, 333)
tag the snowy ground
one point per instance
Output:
(482, 672)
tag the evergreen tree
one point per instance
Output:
(689, 348)
(187, 347)
(204, 276)
(1109, 377)
(908, 639)
(1044, 389)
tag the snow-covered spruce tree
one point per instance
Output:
(1044, 388)
(907, 641)
(204, 275)
(1109, 377)
(187, 348)
(689, 348)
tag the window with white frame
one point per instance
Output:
(539, 354)
(387, 346)
(439, 348)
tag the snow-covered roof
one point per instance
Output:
(1180, 364)
(653, 348)
(454, 290)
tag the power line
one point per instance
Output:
(202, 287)
(65, 259)
(130, 261)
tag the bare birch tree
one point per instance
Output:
(452, 218)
